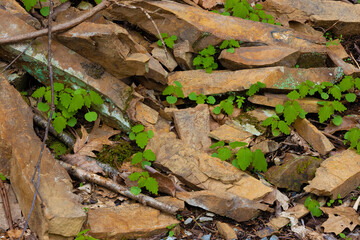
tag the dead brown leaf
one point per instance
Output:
(166, 185)
(348, 122)
(340, 218)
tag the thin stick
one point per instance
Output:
(56, 28)
(52, 108)
(352, 57)
(6, 204)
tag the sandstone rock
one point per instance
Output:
(129, 221)
(145, 114)
(193, 126)
(156, 72)
(338, 49)
(226, 231)
(14, 207)
(228, 134)
(183, 54)
(199, 81)
(339, 174)
(62, 214)
(295, 171)
(261, 56)
(348, 68)
(308, 104)
(14, 8)
(313, 136)
(261, 114)
(224, 204)
(171, 201)
(251, 127)
(266, 146)
(165, 59)
(322, 14)
(209, 4)
(5, 157)
(202, 28)
(69, 68)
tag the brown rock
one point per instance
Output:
(165, 59)
(266, 146)
(193, 126)
(14, 207)
(199, 81)
(62, 214)
(224, 204)
(339, 174)
(209, 4)
(129, 221)
(145, 114)
(172, 201)
(226, 231)
(338, 49)
(308, 104)
(190, 23)
(348, 68)
(228, 134)
(261, 56)
(313, 136)
(69, 68)
(15, 9)
(261, 114)
(322, 14)
(156, 72)
(183, 53)
(295, 171)
(5, 157)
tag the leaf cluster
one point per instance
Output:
(59, 148)
(81, 235)
(67, 102)
(254, 88)
(353, 137)
(173, 92)
(244, 157)
(313, 206)
(168, 40)
(230, 45)
(201, 98)
(205, 59)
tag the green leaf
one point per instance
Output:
(210, 100)
(217, 110)
(159, 43)
(283, 127)
(192, 96)
(150, 134)
(233, 43)
(224, 44)
(142, 139)
(169, 42)
(279, 108)
(231, 50)
(259, 162)
(350, 97)
(224, 153)
(293, 95)
(149, 155)
(79, 91)
(346, 83)
(29, 4)
(254, 17)
(240, 10)
(237, 144)
(258, 6)
(267, 122)
(244, 158)
(134, 176)
(164, 35)
(197, 61)
(254, 88)
(178, 84)
(335, 92)
(324, 95)
(138, 128)
(169, 90)
(91, 116)
(132, 136)
(135, 190)
(59, 124)
(303, 90)
(207, 61)
(98, 1)
(95, 98)
(357, 83)
(72, 122)
(87, 101)
(337, 120)
(65, 99)
(137, 158)
(173, 37)
(325, 112)
(43, 107)
(39, 92)
(171, 99)
(227, 106)
(218, 144)
(77, 102)
(290, 113)
(58, 86)
(179, 92)
(200, 99)
(338, 106)
(152, 185)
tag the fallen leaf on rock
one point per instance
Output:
(348, 122)
(166, 185)
(340, 218)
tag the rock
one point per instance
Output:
(243, 124)
(69, 68)
(165, 59)
(225, 204)
(339, 174)
(15, 9)
(19, 79)
(156, 72)
(228, 134)
(209, 4)
(321, 14)
(295, 171)
(172, 201)
(129, 221)
(206, 219)
(309, 105)
(14, 207)
(145, 114)
(193, 126)
(183, 54)
(338, 49)
(62, 214)
(226, 231)
(201, 171)
(5, 157)
(304, 28)
(260, 56)
(199, 81)
(313, 136)
(202, 28)
(261, 114)
(266, 146)
(348, 68)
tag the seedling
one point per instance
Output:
(173, 92)
(201, 98)
(205, 59)
(230, 45)
(170, 227)
(226, 106)
(342, 235)
(353, 136)
(2, 177)
(313, 206)
(254, 88)
(81, 236)
(168, 40)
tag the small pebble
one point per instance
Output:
(188, 221)
(206, 219)
(209, 214)
(274, 237)
(206, 237)
(187, 233)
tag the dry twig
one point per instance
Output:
(6, 204)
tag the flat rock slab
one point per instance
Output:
(313, 136)
(13, 7)
(68, 67)
(321, 13)
(295, 171)
(228, 134)
(339, 174)
(201, 171)
(127, 221)
(202, 28)
(310, 105)
(199, 81)
(63, 215)
(224, 204)
(166, 59)
(261, 56)
(226, 231)
(193, 126)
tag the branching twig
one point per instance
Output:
(109, 184)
